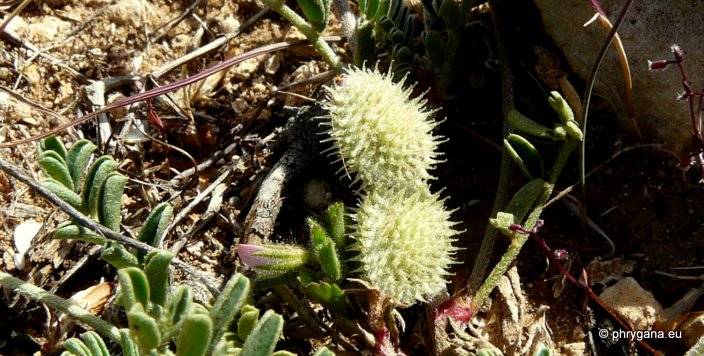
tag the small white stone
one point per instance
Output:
(632, 302)
(23, 236)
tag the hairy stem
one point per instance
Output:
(307, 30)
(55, 302)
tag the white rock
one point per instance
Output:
(633, 303)
(23, 236)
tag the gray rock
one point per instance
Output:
(648, 32)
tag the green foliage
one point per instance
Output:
(156, 267)
(90, 344)
(324, 250)
(228, 304)
(317, 12)
(109, 201)
(98, 195)
(525, 155)
(196, 329)
(329, 295)
(100, 198)
(263, 338)
(116, 255)
(156, 224)
(70, 230)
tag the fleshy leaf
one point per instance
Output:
(116, 255)
(145, 327)
(317, 12)
(52, 143)
(195, 335)
(97, 174)
(180, 304)
(134, 286)
(110, 201)
(156, 267)
(55, 167)
(263, 338)
(247, 321)
(228, 304)
(72, 231)
(156, 224)
(335, 223)
(77, 160)
(95, 343)
(525, 155)
(64, 193)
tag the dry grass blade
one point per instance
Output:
(171, 87)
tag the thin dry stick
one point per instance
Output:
(259, 223)
(14, 38)
(100, 229)
(173, 22)
(210, 46)
(588, 95)
(34, 105)
(14, 13)
(172, 86)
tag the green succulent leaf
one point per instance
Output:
(228, 304)
(156, 267)
(329, 262)
(110, 201)
(366, 45)
(77, 160)
(195, 335)
(329, 295)
(317, 12)
(318, 235)
(263, 338)
(156, 224)
(64, 193)
(525, 155)
(145, 327)
(128, 346)
(73, 231)
(564, 111)
(247, 321)
(134, 286)
(94, 180)
(95, 343)
(524, 199)
(335, 223)
(450, 12)
(523, 124)
(180, 304)
(76, 347)
(116, 255)
(55, 167)
(52, 143)
(435, 47)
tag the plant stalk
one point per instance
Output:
(55, 302)
(307, 30)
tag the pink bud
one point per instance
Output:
(657, 64)
(246, 255)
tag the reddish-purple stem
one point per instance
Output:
(590, 294)
(171, 86)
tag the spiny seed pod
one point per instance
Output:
(404, 243)
(380, 133)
